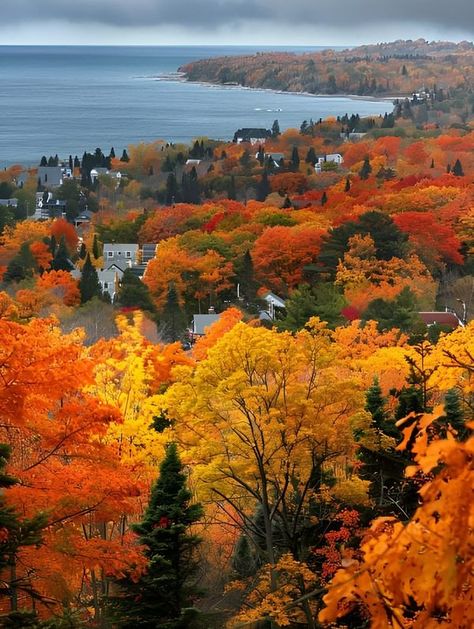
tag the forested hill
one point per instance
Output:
(396, 68)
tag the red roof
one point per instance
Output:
(441, 318)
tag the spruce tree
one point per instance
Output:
(366, 169)
(134, 293)
(324, 198)
(295, 158)
(263, 187)
(458, 169)
(95, 247)
(83, 251)
(125, 157)
(61, 261)
(172, 317)
(89, 285)
(163, 597)
(23, 265)
(275, 129)
(347, 187)
(453, 416)
(246, 278)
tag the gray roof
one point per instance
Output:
(120, 246)
(50, 175)
(203, 321)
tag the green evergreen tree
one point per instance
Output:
(89, 285)
(83, 251)
(311, 157)
(287, 205)
(295, 158)
(244, 560)
(23, 265)
(133, 293)
(323, 300)
(458, 169)
(380, 464)
(172, 190)
(453, 416)
(163, 598)
(61, 261)
(95, 247)
(275, 129)
(347, 186)
(263, 187)
(246, 277)
(18, 532)
(125, 157)
(324, 198)
(231, 191)
(172, 318)
(401, 312)
(366, 169)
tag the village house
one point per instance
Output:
(252, 135)
(333, 158)
(122, 255)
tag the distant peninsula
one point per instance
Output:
(386, 69)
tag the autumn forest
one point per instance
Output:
(305, 457)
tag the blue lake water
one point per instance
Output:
(65, 100)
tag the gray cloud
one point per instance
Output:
(453, 14)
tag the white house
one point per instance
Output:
(273, 301)
(123, 255)
(109, 280)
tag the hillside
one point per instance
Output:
(396, 68)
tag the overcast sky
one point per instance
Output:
(282, 22)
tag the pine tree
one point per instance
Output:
(83, 251)
(458, 169)
(275, 129)
(163, 598)
(366, 169)
(172, 317)
(134, 293)
(295, 158)
(125, 157)
(324, 198)
(95, 247)
(379, 463)
(347, 187)
(61, 261)
(89, 285)
(454, 416)
(263, 187)
(246, 277)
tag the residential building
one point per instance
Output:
(123, 255)
(252, 135)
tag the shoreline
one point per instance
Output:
(180, 77)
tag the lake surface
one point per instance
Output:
(66, 100)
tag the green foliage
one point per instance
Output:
(323, 301)
(388, 239)
(121, 231)
(401, 312)
(133, 293)
(172, 318)
(163, 598)
(89, 285)
(22, 266)
(61, 261)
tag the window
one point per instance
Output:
(106, 285)
(128, 254)
(110, 254)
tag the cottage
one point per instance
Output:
(84, 218)
(98, 172)
(148, 252)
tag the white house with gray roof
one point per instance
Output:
(123, 255)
